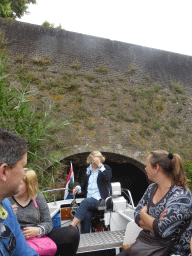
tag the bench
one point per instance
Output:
(101, 241)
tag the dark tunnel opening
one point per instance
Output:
(124, 170)
(130, 177)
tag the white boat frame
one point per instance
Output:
(116, 220)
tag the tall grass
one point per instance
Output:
(17, 114)
(188, 171)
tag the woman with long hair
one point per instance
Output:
(34, 217)
(166, 206)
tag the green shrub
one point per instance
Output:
(158, 87)
(176, 87)
(157, 126)
(188, 171)
(19, 59)
(73, 85)
(101, 69)
(90, 126)
(17, 114)
(68, 76)
(131, 70)
(145, 132)
(76, 65)
(175, 122)
(3, 44)
(25, 76)
(41, 61)
(48, 24)
(90, 77)
(159, 107)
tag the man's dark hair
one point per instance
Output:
(12, 148)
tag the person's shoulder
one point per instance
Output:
(7, 205)
(179, 190)
(182, 194)
(40, 197)
(107, 167)
(152, 185)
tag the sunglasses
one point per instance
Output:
(5, 233)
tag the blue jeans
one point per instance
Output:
(84, 213)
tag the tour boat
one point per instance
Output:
(116, 213)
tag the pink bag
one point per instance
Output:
(44, 246)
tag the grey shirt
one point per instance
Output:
(28, 216)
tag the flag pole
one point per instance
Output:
(70, 179)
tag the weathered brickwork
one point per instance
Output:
(63, 47)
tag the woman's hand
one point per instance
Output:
(143, 211)
(162, 215)
(146, 221)
(97, 161)
(75, 190)
(142, 223)
(15, 206)
(30, 232)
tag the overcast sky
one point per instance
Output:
(161, 24)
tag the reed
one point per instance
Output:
(17, 114)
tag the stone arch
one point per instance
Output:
(138, 156)
(127, 168)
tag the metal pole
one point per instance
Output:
(51, 190)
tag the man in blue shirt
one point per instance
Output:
(96, 185)
(13, 158)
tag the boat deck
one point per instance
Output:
(101, 241)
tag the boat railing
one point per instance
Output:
(129, 197)
(128, 194)
(53, 190)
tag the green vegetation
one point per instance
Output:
(101, 69)
(76, 65)
(131, 70)
(12, 9)
(48, 24)
(41, 61)
(3, 44)
(176, 87)
(26, 76)
(188, 170)
(51, 25)
(19, 59)
(90, 77)
(23, 118)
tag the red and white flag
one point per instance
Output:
(69, 180)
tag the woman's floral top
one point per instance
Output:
(178, 205)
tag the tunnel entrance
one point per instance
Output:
(125, 170)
